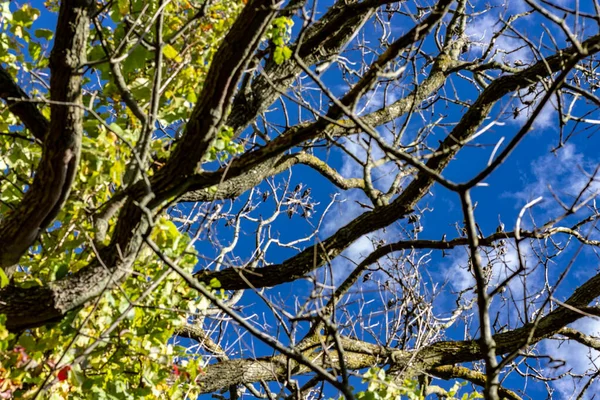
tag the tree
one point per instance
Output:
(243, 198)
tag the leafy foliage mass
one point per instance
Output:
(141, 364)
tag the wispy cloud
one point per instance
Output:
(528, 284)
(527, 101)
(515, 52)
(563, 179)
(354, 202)
(460, 274)
(507, 49)
(578, 359)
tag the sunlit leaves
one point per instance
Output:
(118, 346)
(136, 61)
(5, 336)
(280, 33)
(5, 14)
(384, 387)
(224, 146)
(123, 6)
(281, 53)
(116, 128)
(3, 279)
(172, 54)
(22, 19)
(25, 16)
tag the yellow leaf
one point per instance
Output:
(172, 54)
(3, 278)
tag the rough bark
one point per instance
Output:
(306, 261)
(210, 112)
(116, 260)
(57, 168)
(303, 263)
(263, 159)
(437, 358)
(233, 187)
(27, 111)
(323, 39)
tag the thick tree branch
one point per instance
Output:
(240, 371)
(237, 87)
(208, 115)
(307, 261)
(27, 112)
(236, 186)
(438, 358)
(323, 39)
(114, 263)
(448, 372)
(227, 67)
(265, 158)
(198, 334)
(446, 353)
(242, 113)
(60, 158)
(581, 337)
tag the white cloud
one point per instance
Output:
(578, 358)
(343, 212)
(374, 100)
(344, 264)
(547, 118)
(507, 49)
(564, 179)
(459, 274)
(461, 277)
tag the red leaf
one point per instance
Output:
(63, 374)
(176, 370)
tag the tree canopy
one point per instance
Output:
(373, 199)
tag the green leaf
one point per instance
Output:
(5, 13)
(191, 97)
(281, 54)
(366, 396)
(123, 6)
(136, 60)
(214, 283)
(35, 50)
(219, 145)
(116, 129)
(3, 279)
(26, 15)
(61, 271)
(43, 34)
(140, 88)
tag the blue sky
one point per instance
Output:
(527, 174)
